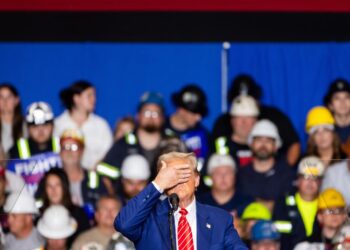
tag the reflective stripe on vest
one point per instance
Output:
(56, 147)
(108, 170)
(283, 226)
(92, 180)
(290, 200)
(220, 146)
(23, 148)
(131, 139)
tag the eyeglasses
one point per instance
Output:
(71, 147)
(151, 114)
(335, 211)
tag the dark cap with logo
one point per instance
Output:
(339, 85)
(191, 98)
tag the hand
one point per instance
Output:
(170, 176)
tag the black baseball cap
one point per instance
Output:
(338, 85)
(192, 98)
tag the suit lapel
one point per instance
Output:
(163, 223)
(204, 227)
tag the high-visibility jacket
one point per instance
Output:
(289, 223)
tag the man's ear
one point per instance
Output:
(197, 180)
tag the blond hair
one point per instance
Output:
(189, 157)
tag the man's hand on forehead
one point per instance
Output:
(172, 174)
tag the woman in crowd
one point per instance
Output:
(54, 189)
(323, 142)
(12, 124)
(79, 99)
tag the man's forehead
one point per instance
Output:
(174, 161)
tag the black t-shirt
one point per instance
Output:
(343, 133)
(268, 186)
(237, 202)
(124, 147)
(289, 136)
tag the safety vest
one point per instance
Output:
(24, 149)
(285, 226)
(108, 170)
(93, 180)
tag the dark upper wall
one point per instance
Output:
(173, 26)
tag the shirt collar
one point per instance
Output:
(191, 208)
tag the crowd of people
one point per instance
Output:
(64, 179)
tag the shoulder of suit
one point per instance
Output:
(213, 211)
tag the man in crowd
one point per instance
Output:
(222, 171)
(23, 234)
(246, 85)
(134, 178)
(40, 149)
(39, 120)
(295, 214)
(145, 219)
(191, 108)
(268, 176)
(331, 216)
(85, 186)
(254, 212)
(144, 140)
(103, 235)
(265, 236)
(337, 100)
(244, 112)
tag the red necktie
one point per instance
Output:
(184, 234)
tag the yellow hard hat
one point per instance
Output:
(256, 211)
(331, 198)
(319, 116)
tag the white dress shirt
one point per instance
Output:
(192, 220)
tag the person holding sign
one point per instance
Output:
(33, 157)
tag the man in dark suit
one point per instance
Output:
(144, 219)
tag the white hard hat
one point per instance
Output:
(135, 167)
(220, 160)
(308, 246)
(56, 223)
(244, 105)
(265, 128)
(39, 113)
(311, 165)
(20, 203)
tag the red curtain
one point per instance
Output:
(179, 5)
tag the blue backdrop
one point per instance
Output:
(294, 76)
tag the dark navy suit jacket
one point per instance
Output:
(144, 220)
